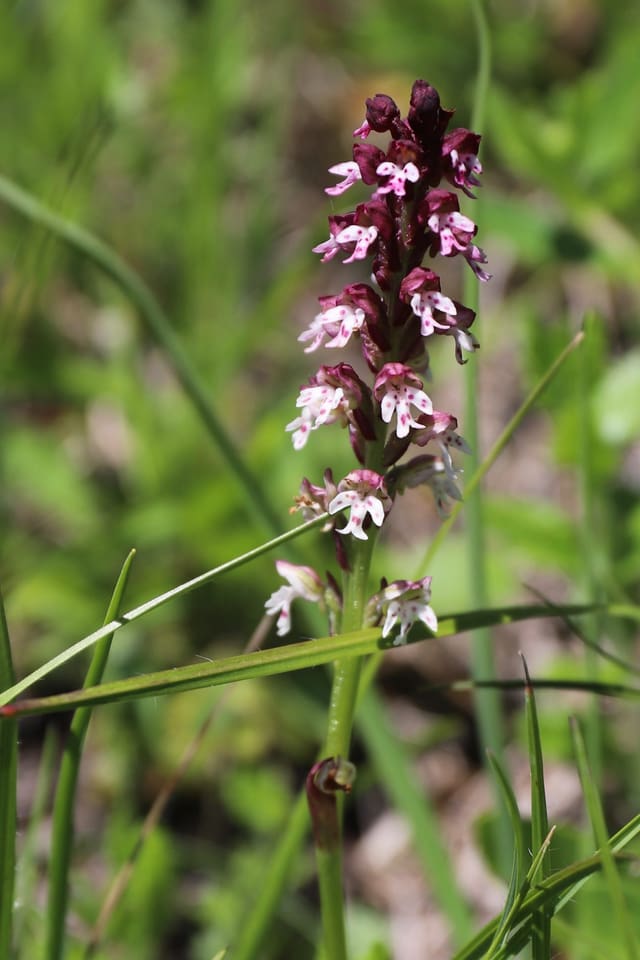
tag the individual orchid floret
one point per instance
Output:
(406, 603)
(440, 427)
(365, 493)
(475, 256)
(452, 231)
(421, 289)
(353, 234)
(460, 159)
(330, 396)
(302, 582)
(321, 404)
(431, 471)
(337, 321)
(313, 499)
(460, 332)
(351, 173)
(397, 388)
(398, 177)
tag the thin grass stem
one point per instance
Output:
(64, 804)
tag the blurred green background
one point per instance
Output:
(194, 137)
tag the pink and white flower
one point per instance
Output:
(398, 177)
(338, 322)
(351, 173)
(303, 583)
(398, 389)
(407, 602)
(319, 405)
(365, 493)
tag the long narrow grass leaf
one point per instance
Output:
(263, 663)
(120, 882)
(518, 867)
(27, 922)
(512, 930)
(541, 933)
(64, 804)
(8, 766)
(625, 665)
(609, 866)
(144, 608)
(547, 894)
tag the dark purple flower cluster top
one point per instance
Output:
(408, 218)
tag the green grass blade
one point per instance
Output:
(160, 328)
(8, 780)
(541, 932)
(26, 921)
(559, 890)
(518, 867)
(609, 866)
(393, 766)
(64, 804)
(153, 604)
(264, 663)
(548, 894)
(522, 932)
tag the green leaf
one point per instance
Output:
(609, 866)
(541, 932)
(262, 663)
(8, 765)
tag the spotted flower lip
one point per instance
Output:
(407, 602)
(398, 177)
(365, 493)
(398, 389)
(337, 323)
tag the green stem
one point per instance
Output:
(64, 805)
(344, 693)
(8, 765)
(160, 328)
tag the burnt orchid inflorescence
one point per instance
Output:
(407, 218)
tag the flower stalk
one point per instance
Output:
(391, 321)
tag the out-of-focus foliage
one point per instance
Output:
(194, 137)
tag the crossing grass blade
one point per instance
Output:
(9, 766)
(518, 866)
(64, 804)
(143, 609)
(294, 656)
(541, 931)
(609, 865)
(553, 893)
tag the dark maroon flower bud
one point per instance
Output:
(428, 119)
(404, 151)
(382, 112)
(368, 157)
